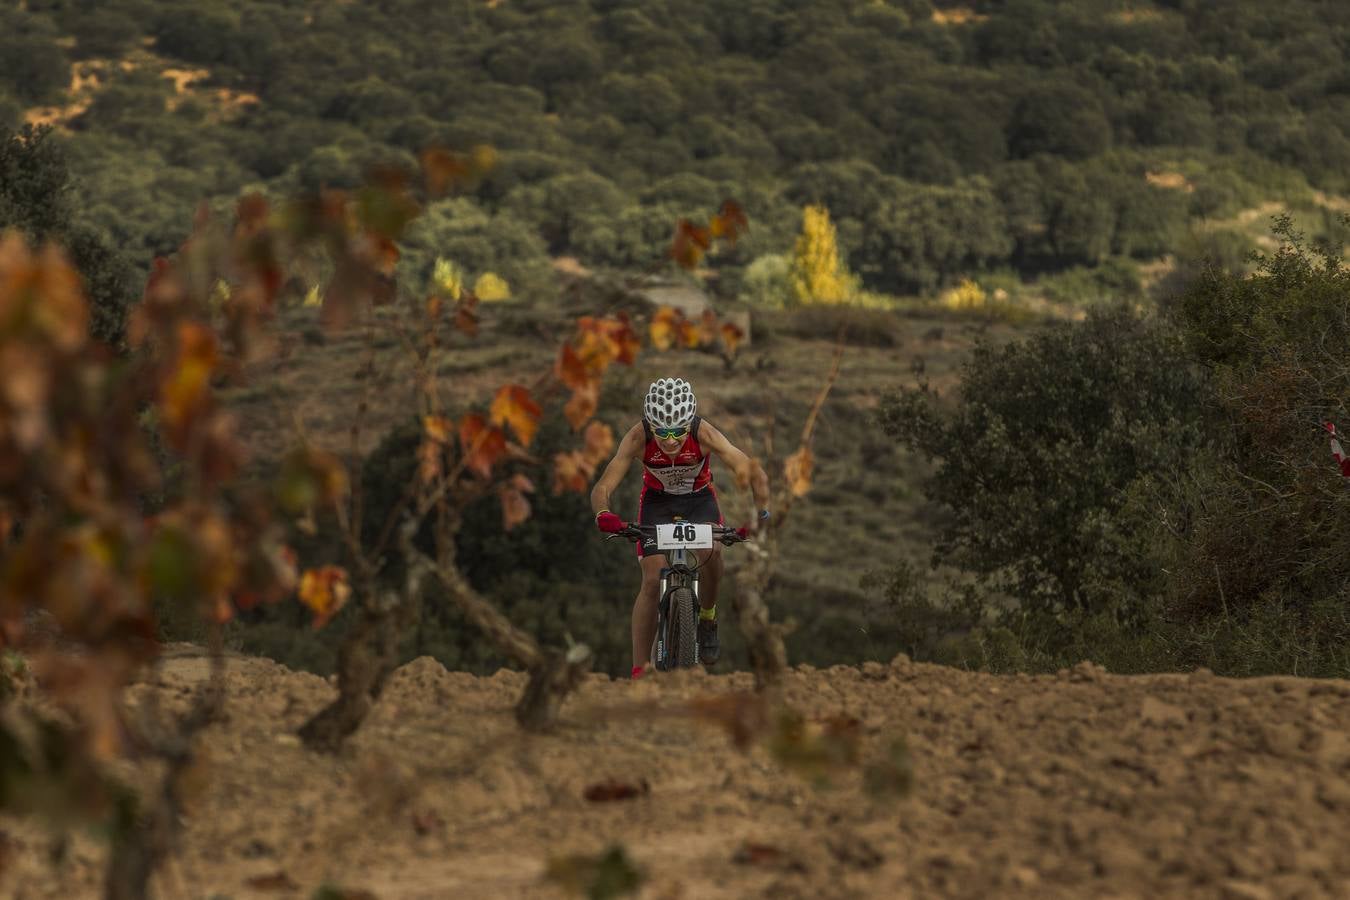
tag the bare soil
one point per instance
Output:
(1081, 785)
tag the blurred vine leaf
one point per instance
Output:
(604, 876)
(324, 591)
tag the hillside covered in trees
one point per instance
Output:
(1021, 138)
(959, 151)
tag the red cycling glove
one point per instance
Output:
(608, 522)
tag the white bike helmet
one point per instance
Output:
(670, 403)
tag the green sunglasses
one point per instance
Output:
(669, 434)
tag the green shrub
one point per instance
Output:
(1044, 437)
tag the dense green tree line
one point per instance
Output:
(1018, 139)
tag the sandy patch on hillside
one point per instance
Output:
(1082, 785)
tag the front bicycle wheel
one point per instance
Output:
(683, 626)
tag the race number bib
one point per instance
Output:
(684, 536)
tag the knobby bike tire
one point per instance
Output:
(683, 627)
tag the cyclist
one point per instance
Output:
(675, 446)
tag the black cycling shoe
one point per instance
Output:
(708, 648)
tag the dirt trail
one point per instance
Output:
(1081, 785)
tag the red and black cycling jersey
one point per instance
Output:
(684, 472)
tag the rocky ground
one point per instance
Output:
(1081, 785)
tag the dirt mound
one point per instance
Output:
(1081, 785)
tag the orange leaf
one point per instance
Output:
(625, 339)
(582, 406)
(571, 472)
(514, 406)
(797, 468)
(665, 327)
(690, 334)
(515, 505)
(185, 388)
(599, 441)
(443, 170)
(729, 222)
(466, 320)
(732, 335)
(324, 591)
(481, 444)
(438, 428)
(570, 369)
(689, 244)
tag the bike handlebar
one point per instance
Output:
(724, 533)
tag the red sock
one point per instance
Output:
(638, 670)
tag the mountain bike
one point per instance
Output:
(676, 642)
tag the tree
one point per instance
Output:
(818, 275)
(1270, 531)
(1060, 119)
(1043, 439)
(928, 234)
(35, 198)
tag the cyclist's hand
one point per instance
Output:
(609, 523)
(753, 527)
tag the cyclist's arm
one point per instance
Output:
(629, 448)
(746, 470)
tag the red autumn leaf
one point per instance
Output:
(514, 406)
(582, 406)
(755, 854)
(443, 170)
(481, 444)
(275, 881)
(570, 369)
(386, 254)
(690, 243)
(610, 790)
(626, 339)
(251, 211)
(466, 320)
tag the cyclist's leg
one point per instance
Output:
(709, 576)
(644, 609)
(710, 561)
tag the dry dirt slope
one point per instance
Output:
(1082, 785)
